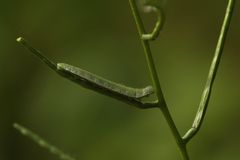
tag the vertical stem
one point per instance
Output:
(147, 51)
(181, 145)
(161, 101)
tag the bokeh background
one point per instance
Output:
(101, 37)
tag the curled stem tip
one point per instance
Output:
(149, 7)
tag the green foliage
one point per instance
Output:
(133, 95)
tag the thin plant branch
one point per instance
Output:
(153, 72)
(96, 83)
(147, 51)
(212, 74)
(159, 24)
(42, 143)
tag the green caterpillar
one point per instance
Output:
(92, 81)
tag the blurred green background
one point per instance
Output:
(101, 37)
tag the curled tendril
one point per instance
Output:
(152, 5)
(156, 6)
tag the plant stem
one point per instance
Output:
(181, 145)
(212, 75)
(147, 51)
(107, 87)
(161, 101)
(42, 143)
(159, 25)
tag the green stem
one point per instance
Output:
(42, 143)
(158, 26)
(161, 101)
(96, 83)
(212, 75)
(181, 145)
(43, 58)
(147, 51)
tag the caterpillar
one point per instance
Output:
(90, 80)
